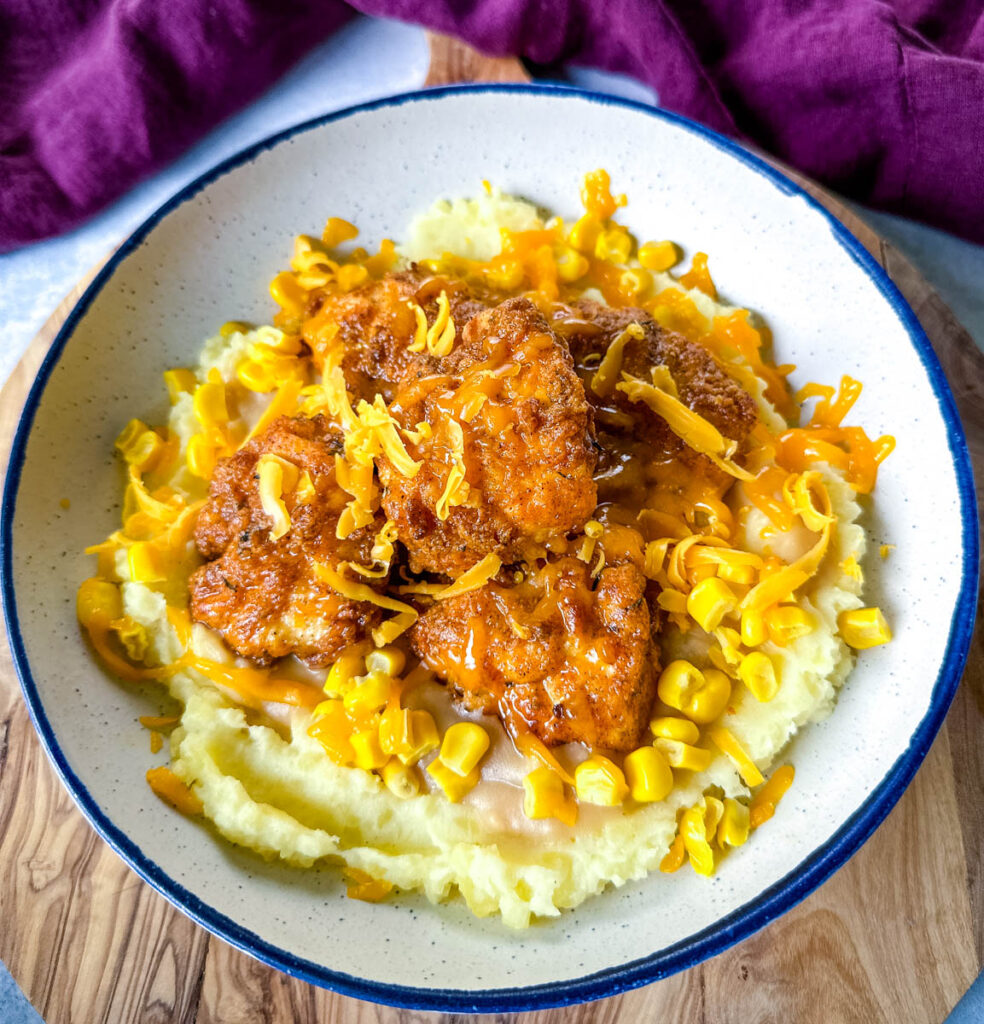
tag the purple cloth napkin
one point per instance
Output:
(881, 99)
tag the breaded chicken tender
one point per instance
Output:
(567, 657)
(631, 434)
(526, 445)
(375, 325)
(262, 595)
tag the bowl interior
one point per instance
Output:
(209, 258)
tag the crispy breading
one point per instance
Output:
(702, 382)
(263, 596)
(564, 656)
(642, 461)
(375, 324)
(528, 447)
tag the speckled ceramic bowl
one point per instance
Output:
(207, 257)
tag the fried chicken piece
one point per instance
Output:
(376, 325)
(703, 384)
(639, 451)
(527, 445)
(261, 595)
(583, 670)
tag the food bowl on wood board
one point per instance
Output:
(207, 256)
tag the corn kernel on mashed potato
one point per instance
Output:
(267, 784)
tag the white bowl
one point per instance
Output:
(207, 257)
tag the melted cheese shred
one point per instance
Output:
(388, 631)
(696, 432)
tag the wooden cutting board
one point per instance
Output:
(895, 936)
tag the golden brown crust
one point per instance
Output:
(585, 670)
(376, 323)
(529, 452)
(703, 384)
(263, 596)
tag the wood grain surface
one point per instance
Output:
(896, 936)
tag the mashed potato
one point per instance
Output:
(266, 784)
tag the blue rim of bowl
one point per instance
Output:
(741, 923)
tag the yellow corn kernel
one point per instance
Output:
(670, 728)
(648, 775)
(678, 682)
(368, 695)
(709, 703)
(424, 737)
(362, 886)
(456, 787)
(545, 796)
(146, 451)
(659, 256)
(862, 628)
(210, 403)
(333, 730)
(464, 745)
(614, 245)
(146, 563)
(98, 599)
(571, 265)
(674, 856)
(713, 810)
(136, 444)
(726, 741)
(338, 231)
(584, 233)
(600, 781)
(388, 660)
(323, 708)
(350, 276)
(701, 696)
(734, 827)
(255, 376)
(758, 673)
(344, 670)
(753, 631)
(231, 327)
(693, 828)
(400, 780)
(201, 456)
(786, 623)
(709, 602)
(368, 753)
(683, 755)
(288, 294)
(396, 730)
(129, 434)
(634, 283)
(179, 382)
(507, 275)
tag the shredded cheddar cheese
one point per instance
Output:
(688, 425)
(388, 631)
(607, 375)
(478, 575)
(456, 489)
